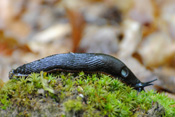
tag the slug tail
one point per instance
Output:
(11, 73)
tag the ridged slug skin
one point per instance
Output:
(76, 62)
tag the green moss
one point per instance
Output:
(73, 105)
(102, 95)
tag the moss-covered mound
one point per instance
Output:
(79, 95)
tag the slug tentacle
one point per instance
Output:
(87, 62)
(148, 83)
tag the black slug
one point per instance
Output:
(87, 62)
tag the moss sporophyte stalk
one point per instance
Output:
(79, 95)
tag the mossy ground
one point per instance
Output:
(78, 95)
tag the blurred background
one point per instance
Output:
(139, 32)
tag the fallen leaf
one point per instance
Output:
(77, 23)
(157, 49)
(131, 38)
(167, 79)
(52, 33)
(142, 11)
(100, 40)
(9, 44)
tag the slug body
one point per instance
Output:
(87, 62)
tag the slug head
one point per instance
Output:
(140, 86)
(130, 79)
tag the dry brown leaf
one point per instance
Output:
(6, 12)
(131, 39)
(19, 28)
(100, 40)
(112, 15)
(149, 28)
(147, 13)
(9, 44)
(11, 20)
(142, 11)
(157, 49)
(152, 26)
(168, 16)
(123, 5)
(167, 79)
(55, 32)
(77, 24)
